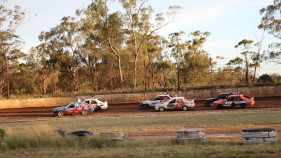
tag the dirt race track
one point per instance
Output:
(45, 113)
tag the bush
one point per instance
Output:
(2, 134)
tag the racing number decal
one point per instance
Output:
(228, 103)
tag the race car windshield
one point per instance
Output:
(71, 106)
(158, 98)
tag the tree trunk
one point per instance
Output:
(152, 76)
(247, 70)
(135, 72)
(120, 69)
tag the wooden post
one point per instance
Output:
(8, 88)
(145, 84)
(177, 34)
(111, 83)
(211, 72)
(44, 91)
(77, 79)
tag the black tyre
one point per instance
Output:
(146, 106)
(184, 108)
(161, 109)
(210, 104)
(219, 106)
(60, 113)
(84, 112)
(243, 106)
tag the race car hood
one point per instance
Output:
(59, 108)
(146, 101)
(220, 101)
(211, 99)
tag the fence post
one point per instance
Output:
(44, 91)
(8, 88)
(77, 80)
(145, 83)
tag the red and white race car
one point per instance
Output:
(175, 103)
(242, 100)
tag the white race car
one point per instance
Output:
(175, 103)
(96, 103)
(151, 103)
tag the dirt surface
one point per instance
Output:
(45, 113)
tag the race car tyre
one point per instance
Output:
(60, 113)
(146, 106)
(84, 112)
(219, 106)
(161, 109)
(210, 104)
(243, 106)
(184, 108)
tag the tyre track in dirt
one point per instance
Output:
(45, 113)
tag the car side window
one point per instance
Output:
(93, 102)
(179, 101)
(158, 98)
(173, 101)
(230, 99)
(71, 106)
(87, 102)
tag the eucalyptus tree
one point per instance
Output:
(246, 46)
(140, 26)
(271, 22)
(196, 62)
(155, 55)
(60, 47)
(10, 20)
(105, 29)
(177, 49)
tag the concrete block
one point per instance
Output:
(255, 134)
(253, 140)
(114, 135)
(270, 140)
(183, 141)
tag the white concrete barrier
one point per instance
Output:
(114, 135)
(191, 136)
(259, 136)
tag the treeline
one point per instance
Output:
(103, 50)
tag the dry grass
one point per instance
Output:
(40, 139)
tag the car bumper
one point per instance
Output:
(55, 112)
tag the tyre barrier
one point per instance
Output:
(191, 136)
(259, 136)
(76, 133)
(116, 136)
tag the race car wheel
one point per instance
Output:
(161, 109)
(219, 106)
(184, 108)
(243, 106)
(60, 113)
(210, 104)
(84, 112)
(146, 106)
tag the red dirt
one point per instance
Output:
(45, 113)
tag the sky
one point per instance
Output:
(228, 21)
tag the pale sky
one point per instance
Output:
(228, 21)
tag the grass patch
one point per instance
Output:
(40, 139)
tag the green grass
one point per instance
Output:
(39, 139)
(140, 148)
(163, 121)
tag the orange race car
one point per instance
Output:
(242, 100)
